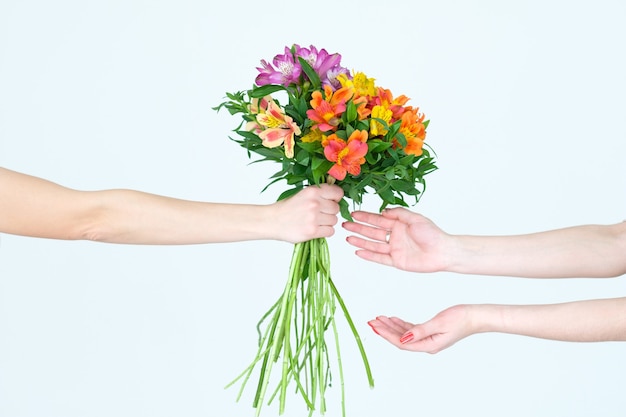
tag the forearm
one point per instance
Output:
(32, 206)
(579, 321)
(581, 251)
(124, 216)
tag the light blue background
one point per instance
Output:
(527, 107)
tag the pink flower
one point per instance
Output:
(347, 156)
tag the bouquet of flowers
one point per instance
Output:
(322, 123)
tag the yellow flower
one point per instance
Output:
(376, 127)
(315, 135)
(360, 83)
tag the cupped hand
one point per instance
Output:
(441, 332)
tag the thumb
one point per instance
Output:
(415, 333)
(331, 192)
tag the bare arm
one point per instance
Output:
(417, 244)
(32, 206)
(579, 321)
(579, 251)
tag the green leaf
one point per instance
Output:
(349, 131)
(249, 135)
(402, 186)
(302, 107)
(351, 113)
(377, 145)
(273, 153)
(342, 134)
(363, 125)
(311, 147)
(344, 209)
(266, 90)
(302, 157)
(387, 195)
(400, 138)
(270, 183)
(310, 73)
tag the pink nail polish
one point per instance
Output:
(407, 337)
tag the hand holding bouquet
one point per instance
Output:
(322, 123)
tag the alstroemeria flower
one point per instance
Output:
(326, 112)
(328, 68)
(287, 70)
(414, 131)
(332, 76)
(347, 156)
(376, 127)
(257, 106)
(279, 129)
(325, 65)
(254, 127)
(360, 83)
(363, 89)
(385, 98)
(314, 135)
(325, 61)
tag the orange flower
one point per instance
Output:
(385, 99)
(362, 88)
(348, 156)
(361, 107)
(326, 111)
(413, 129)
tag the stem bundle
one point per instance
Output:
(296, 331)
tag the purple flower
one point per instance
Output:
(331, 76)
(325, 62)
(325, 65)
(286, 70)
(309, 55)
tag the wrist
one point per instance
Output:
(456, 254)
(265, 222)
(485, 318)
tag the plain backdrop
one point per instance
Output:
(527, 109)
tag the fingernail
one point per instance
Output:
(372, 326)
(407, 337)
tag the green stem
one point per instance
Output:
(279, 321)
(368, 370)
(296, 330)
(340, 366)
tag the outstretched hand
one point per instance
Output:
(441, 332)
(414, 242)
